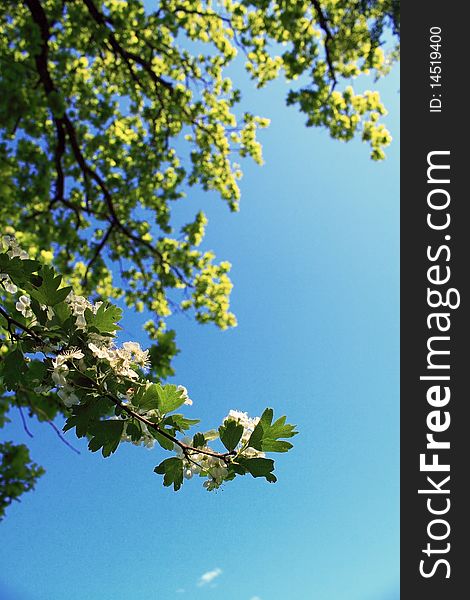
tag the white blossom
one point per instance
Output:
(7, 283)
(146, 438)
(24, 306)
(99, 352)
(249, 424)
(188, 473)
(100, 340)
(78, 306)
(122, 359)
(66, 355)
(68, 396)
(13, 248)
(184, 393)
(132, 352)
(195, 463)
(59, 374)
(48, 309)
(60, 371)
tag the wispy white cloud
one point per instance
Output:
(255, 598)
(209, 577)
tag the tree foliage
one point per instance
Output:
(110, 113)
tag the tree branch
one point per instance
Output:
(127, 56)
(97, 252)
(184, 447)
(323, 22)
(187, 449)
(11, 321)
(23, 420)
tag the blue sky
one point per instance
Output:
(315, 254)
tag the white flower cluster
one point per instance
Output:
(198, 462)
(122, 360)
(13, 250)
(59, 376)
(249, 424)
(24, 306)
(8, 284)
(146, 439)
(78, 306)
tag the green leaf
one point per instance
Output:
(172, 470)
(105, 319)
(36, 371)
(147, 398)
(40, 314)
(164, 442)
(230, 434)
(13, 368)
(212, 434)
(179, 422)
(134, 430)
(47, 291)
(86, 415)
(259, 467)
(237, 469)
(18, 474)
(19, 270)
(170, 398)
(256, 438)
(276, 446)
(266, 434)
(164, 398)
(56, 103)
(106, 435)
(199, 440)
(162, 353)
(62, 312)
(45, 406)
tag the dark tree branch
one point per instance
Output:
(323, 22)
(59, 153)
(187, 449)
(11, 321)
(97, 252)
(127, 56)
(23, 420)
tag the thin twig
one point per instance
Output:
(36, 409)
(97, 252)
(59, 433)
(25, 328)
(23, 420)
(184, 447)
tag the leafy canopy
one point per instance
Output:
(111, 112)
